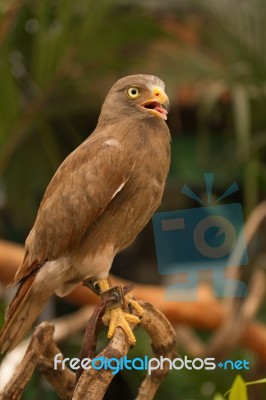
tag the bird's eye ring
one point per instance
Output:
(133, 92)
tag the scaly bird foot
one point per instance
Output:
(121, 309)
(116, 317)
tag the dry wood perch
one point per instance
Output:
(92, 384)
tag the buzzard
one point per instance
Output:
(100, 198)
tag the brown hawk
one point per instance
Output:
(100, 198)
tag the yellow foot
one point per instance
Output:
(117, 317)
(122, 315)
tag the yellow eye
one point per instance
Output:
(133, 92)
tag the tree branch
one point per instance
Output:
(92, 383)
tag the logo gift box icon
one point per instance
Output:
(209, 237)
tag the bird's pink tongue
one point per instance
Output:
(161, 110)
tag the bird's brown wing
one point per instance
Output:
(78, 193)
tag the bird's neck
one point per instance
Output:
(123, 127)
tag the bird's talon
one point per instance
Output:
(118, 318)
(130, 308)
(133, 305)
(121, 310)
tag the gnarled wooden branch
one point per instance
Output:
(163, 342)
(40, 354)
(92, 384)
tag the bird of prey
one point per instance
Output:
(100, 198)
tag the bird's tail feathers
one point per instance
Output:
(22, 312)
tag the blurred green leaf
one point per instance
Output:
(239, 390)
(218, 397)
(256, 382)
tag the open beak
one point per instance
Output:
(158, 105)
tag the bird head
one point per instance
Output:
(142, 96)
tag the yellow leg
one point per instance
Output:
(103, 285)
(118, 317)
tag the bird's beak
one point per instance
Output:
(158, 105)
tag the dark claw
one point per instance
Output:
(130, 308)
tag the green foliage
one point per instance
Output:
(239, 390)
(218, 397)
(230, 59)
